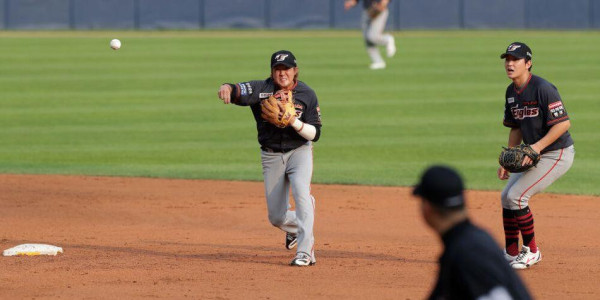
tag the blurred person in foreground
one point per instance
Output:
(472, 265)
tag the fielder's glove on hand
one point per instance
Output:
(511, 159)
(373, 11)
(278, 109)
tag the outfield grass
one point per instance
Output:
(71, 105)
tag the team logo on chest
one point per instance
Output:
(525, 112)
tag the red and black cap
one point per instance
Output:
(518, 50)
(283, 57)
(441, 186)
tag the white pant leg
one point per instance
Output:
(277, 191)
(373, 29)
(300, 167)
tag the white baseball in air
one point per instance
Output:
(115, 44)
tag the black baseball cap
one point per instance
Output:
(441, 186)
(518, 50)
(283, 57)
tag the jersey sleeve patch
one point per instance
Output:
(245, 88)
(556, 109)
(557, 113)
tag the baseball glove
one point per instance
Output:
(511, 159)
(373, 11)
(278, 109)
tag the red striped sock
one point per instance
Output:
(525, 220)
(511, 232)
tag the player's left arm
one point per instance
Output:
(555, 116)
(553, 134)
(310, 128)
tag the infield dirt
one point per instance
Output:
(129, 238)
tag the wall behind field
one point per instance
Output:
(284, 14)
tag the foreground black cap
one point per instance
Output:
(442, 186)
(518, 50)
(283, 57)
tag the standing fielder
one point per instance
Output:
(286, 153)
(373, 21)
(536, 115)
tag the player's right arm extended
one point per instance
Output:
(225, 93)
(242, 93)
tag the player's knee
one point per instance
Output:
(276, 220)
(371, 38)
(504, 196)
(514, 199)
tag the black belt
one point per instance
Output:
(271, 150)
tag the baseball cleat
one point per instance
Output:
(290, 240)
(390, 48)
(302, 260)
(377, 66)
(509, 258)
(526, 259)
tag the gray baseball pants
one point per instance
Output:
(282, 171)
(521, 186)
(373, 29)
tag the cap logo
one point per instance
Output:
(281, 57)
(513, 47)
(453, 201)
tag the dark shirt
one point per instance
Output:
(473, 266)
(535, 109)
(251, 93)
(369, 3)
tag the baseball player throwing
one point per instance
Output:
(286, 150)
(536, 115)
(374, 17)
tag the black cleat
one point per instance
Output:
(290, 241)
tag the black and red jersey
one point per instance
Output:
(535, 108)
(369, 3)
(251, 93)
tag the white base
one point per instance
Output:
(32, 250)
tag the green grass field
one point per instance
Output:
(71, 105)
